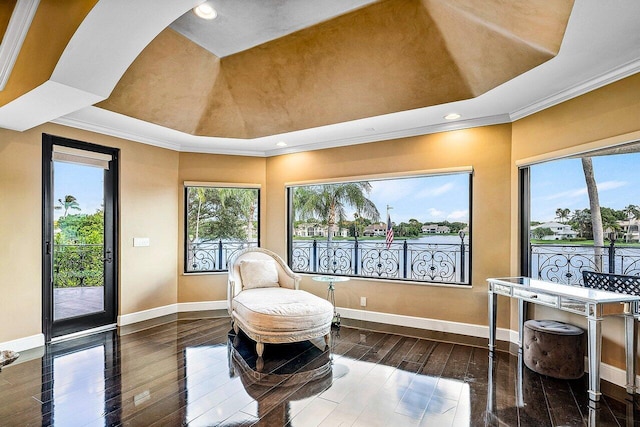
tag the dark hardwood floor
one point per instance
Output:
(197, 372)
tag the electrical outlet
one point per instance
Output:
(363, 301)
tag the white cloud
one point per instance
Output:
(457, 215)
(435, 191)
(389, 191)
(435, 213)
(603, 186)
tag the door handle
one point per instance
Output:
(107, 256)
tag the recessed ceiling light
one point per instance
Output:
(452, 116)
(205, 11)
(281, 144)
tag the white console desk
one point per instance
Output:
(591, 303)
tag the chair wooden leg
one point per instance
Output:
(259, 348)
(236, 328)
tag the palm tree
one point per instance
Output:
(581, 221)
(69, 202)
(563, 215)
(632, 212)
(330, 201)
(594, 205)
(201, 198)
(248, 201)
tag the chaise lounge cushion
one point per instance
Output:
(281, 309)
(257, 273)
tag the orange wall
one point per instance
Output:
(214, 168)
(611, 113)
(486, 149)
(152, 206)
(148, 208)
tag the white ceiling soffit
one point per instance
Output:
(601, 45)
(17, 29)
(109, 39)
(241, 25)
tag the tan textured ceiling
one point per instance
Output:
(391, 56)
(53, 26)
(6, 9)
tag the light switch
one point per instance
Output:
(141, 241)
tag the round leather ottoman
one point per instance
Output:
(554, 348)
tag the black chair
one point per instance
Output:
(621, 284)
(618, 283)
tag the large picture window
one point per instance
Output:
(581, 214)
(219, 221)
(415, 229)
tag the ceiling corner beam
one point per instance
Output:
(17, 30)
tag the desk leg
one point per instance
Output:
(595, 346)
(493, 310)
(630, 348)
(522, 313)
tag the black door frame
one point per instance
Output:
(62, 327)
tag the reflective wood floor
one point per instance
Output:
(197, 372)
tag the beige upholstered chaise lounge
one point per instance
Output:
(265, 302)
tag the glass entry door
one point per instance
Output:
(79, 205)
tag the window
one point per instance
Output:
(559, 238)
(220, 220)
(413, 229)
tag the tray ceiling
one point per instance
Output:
(359, 72)
(386, 57)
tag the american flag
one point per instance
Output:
(389, 239)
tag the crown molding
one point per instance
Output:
(105, 122)
(198, 144)
(207, 145)
(115, 132)
(14, 36)
(619, 73)
(396, 134)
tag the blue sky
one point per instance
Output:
(433, 198)
(85, 183)
(561, 184)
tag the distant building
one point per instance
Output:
(559, 231)
(318, 230)
(630, 230)
(436, 229)
(379, 229)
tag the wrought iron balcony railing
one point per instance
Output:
(565, 263)
(424, 262)
(212, 255)
(78, 265)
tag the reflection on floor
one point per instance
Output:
(197, 372)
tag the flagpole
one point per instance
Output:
(389, 232)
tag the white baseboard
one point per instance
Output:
(609, 373)
(22, 344)
(152, 313)
(201, 306)
(612, 374)
(426, 323)
(181, 307)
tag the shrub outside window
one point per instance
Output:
(407, 229)
(219, 221)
